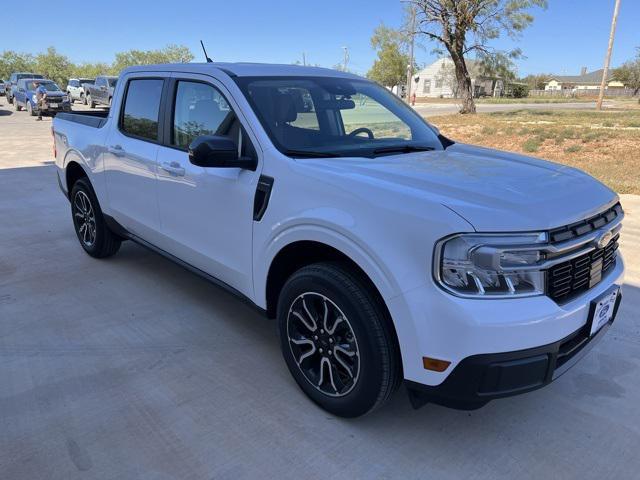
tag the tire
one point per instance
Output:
(349, 367)
(95, 237)
(90, 101)
(16, 107)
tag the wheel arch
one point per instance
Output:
(74, 172)
(301, 253)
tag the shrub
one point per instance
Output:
(532, 144)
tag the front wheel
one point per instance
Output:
(337, 339)
(16, 107)
(95, 237)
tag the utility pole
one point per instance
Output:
(412, 26)
(345, 61)
(607, 59)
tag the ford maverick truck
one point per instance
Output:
(386, 252)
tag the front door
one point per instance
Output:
(130, 158)
(206, 213)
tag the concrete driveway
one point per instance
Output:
(134, 368)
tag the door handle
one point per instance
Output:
(116, 150)
(173, 168)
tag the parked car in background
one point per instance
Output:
(76, 88)
(385, 250)
(12, 83)
(2, 92)
(25, 97)
(101, 92)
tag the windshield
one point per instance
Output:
(112, 81)
(28, 75)
(327, 117)
(48, 86)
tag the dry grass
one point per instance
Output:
(604, 144)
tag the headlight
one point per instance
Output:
(34, 99)
(483, 266)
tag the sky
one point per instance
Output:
(569, 35)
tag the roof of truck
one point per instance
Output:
(243, 69)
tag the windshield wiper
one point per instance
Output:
(403, 149)
(309, 154)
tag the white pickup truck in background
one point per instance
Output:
(76, 88)
(386, 251)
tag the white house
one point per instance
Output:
(438, 80)
(584, 81)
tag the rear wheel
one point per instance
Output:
(95, 237)
(16, 107)
(90, 101)
(337, 340)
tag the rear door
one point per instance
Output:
(130, 157)
(206, 213)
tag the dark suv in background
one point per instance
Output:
(101, 92)
(12, 83)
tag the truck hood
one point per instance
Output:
(493, 190)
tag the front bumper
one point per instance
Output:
(432, 323)
(49, 110)
(480, 378)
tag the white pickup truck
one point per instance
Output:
(386, 252)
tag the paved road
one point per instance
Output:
(134, 368)
(432, 109)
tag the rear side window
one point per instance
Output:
(141, 108)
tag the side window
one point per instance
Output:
(100, 81)
(141, 108)
(200, 109)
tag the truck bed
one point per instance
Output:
(95, 119)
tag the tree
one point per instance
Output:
(55, 66)
(390, 68)
(11, 61)
(536, 81)
(629, 73)
(91, 70)
(169, 54)
(464, 27)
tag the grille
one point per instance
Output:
(585, 226)
(570, 278)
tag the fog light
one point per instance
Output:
(435, 364)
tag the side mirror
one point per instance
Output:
(213, 151)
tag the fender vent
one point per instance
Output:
(261, 200)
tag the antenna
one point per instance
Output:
(205, 53)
